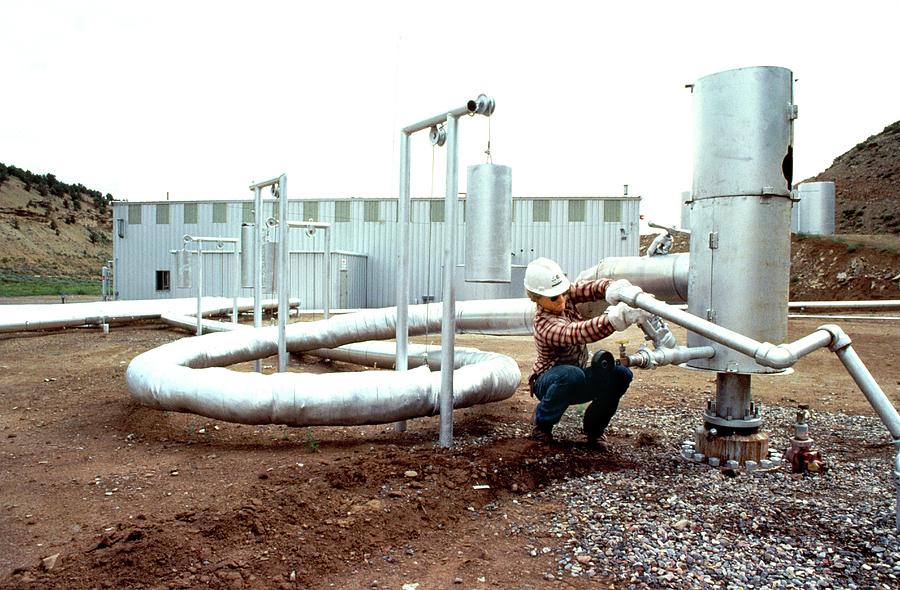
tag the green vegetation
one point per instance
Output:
(14, 285)
(48, 184)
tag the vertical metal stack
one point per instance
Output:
(740, 215)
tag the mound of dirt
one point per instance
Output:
(867, 185)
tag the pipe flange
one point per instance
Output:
(747, 422)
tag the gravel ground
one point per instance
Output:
(671, 523)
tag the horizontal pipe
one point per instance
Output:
(650, 359)
(483, 105)
(664, 276)
(869, 304)
(265, 183)
(189, 238)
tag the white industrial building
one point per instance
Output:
(575, 231)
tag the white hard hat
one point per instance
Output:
(545, 277)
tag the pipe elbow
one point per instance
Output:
(777, 357)
(483, 105)
(630, 294)
(839, 338)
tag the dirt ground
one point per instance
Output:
(129, 497)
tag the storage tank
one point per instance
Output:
(741, 209)
(813, 214)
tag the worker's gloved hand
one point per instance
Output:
(621, 316)
(614, 290)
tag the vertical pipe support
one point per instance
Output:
(448, 322)
(326, 312)
(257, 266)
(199, 288)
(237, 282)
(283, 274)
(403, 282)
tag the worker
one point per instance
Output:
(562, 375)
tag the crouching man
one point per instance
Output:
(562, 374)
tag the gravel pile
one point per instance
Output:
(673, 523)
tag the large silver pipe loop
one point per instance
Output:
(186, 375)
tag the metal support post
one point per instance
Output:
(283, 272)
(403, 282)
(448, 296)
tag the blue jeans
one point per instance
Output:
(566, 385)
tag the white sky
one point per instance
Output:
(201, 98)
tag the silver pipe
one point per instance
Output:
(448, 297)
(257, 262)
(326, 312)
(283, 272)
(403, 280)
(870, 388)
(260, 185)
(199, 288)
(237, 283)
(664, 276)
(645, 358)
(889, 318)
(25, 318)
(185, 375)
(871, 304)
(802, 347)
(483, 105)
(190, 238)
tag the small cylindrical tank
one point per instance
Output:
(183, 269)
(247, 255)
(741, 209)
(814, 213)
(489, 224)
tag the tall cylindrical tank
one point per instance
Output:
(489, 224)
(741, 209)
(247, 255)
(183, 270)
(814, 213)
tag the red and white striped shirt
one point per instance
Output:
(560, 338)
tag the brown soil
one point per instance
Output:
(135, 498)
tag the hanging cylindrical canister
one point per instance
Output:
(269, 266)
(183, 269)
(489, 224)
(247, 258)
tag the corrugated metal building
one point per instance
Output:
(577, 232)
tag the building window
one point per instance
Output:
(311, 211)
(134, 214)
(220, 212)
(372, 211)
(162, 214)
(247, 212)
(612, 211)
(540, 210)
(576, 210)
(342, 211)
(437, 211)
(190, 213)
(162, 280)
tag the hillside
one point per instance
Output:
(867, 185)
(51, 228)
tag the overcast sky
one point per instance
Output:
(198, 99)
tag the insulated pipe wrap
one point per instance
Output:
(186, 375)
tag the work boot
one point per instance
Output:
(540, 433)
